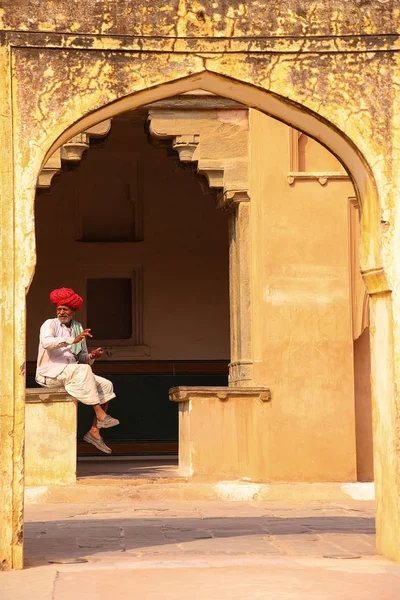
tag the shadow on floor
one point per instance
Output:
(165, 467)
(143, 536)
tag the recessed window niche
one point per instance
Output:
(109, 201)
(109, 308)
(113, 310)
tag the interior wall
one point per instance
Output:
(183, 255)
(303, 346)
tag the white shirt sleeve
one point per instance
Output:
(48, 339)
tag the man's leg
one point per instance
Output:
(94, 429)
(100, 413)
(93, 435)
(80, 382)
(105, 391)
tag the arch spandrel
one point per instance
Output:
(59, 94)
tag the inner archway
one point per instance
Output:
(149, 253)
(303, 168)
(366, 193)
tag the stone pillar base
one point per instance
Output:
(223, 432)
(50, 437)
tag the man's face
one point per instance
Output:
(65, 314)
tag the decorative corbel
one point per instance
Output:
(71, 151)
(51, 168)
(185, 145)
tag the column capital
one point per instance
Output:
(230, 199)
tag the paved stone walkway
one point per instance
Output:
(201, 549)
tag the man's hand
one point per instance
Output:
(82, 335)
(96, 353)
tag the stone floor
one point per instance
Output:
(202, 549)
(139, 468)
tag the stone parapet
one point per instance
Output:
(50, 437)
(223, 432)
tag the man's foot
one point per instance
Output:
(107, 422)
(98, 443)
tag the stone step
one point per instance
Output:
(175, 489)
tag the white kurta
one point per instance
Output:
(57, 366)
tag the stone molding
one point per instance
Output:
(40, 395)
(376, 281)
(295, 174)
(71, 151)
(224, 394)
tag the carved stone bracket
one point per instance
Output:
(51, 168)
(208, 138)
(71, 151)
(185, 145)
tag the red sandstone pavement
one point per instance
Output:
(203, 549)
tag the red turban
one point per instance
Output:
(66, 297)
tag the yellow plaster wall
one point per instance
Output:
(303, 346)
(50, 443)
(225, 434)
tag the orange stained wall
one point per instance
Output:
(303, 346)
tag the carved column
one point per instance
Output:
(218, 142)
(241, 365)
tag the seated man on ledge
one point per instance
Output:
(64, 360)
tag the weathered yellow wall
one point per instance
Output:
(324, 64)
(50, 444)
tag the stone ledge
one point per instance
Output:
(38, 395)
(185, 393)
(124, 490)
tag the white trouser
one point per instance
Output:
(81, 383)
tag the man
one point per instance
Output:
(64, 360)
